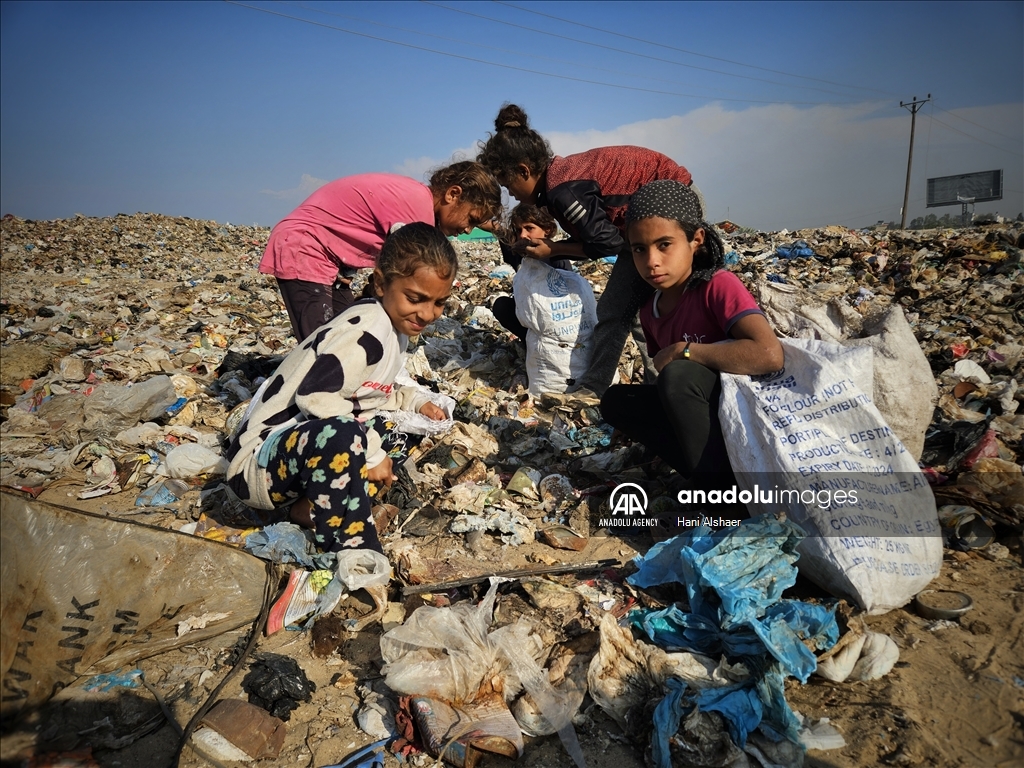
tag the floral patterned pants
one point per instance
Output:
(325, 461)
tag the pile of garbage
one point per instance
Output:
(130, 343)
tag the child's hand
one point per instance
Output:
(539, 249)
(431, 411)
(668, 354)
(382, 473)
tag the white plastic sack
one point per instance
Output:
(559, 311)
(809, 442)
(904, 389)
(191, 459)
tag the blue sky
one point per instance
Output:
(787, 114)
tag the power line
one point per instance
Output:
(489, 47)
(509, 66)
(691, 53)
(979, 125)
(633, 53)
(975, 138)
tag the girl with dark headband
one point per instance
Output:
(700, 321)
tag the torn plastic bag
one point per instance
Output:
(442, 653)
(810, 429)
(747, 567)
(362, 569)
(734, 580)
(557, 707)
(112, 407)
(82, 594)
(282, 543)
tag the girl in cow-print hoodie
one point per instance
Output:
(310, 442)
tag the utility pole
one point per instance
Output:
(913, 106)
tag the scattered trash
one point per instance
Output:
(136, 384)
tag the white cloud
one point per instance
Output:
(307, 186)
(419, 168)
(779, 166)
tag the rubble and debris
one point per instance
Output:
(132, 342)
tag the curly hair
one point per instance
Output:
(479, 187)
(514, 142)
(529, 214)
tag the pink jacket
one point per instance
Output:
(343, 224)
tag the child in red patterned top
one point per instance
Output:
(587, 193)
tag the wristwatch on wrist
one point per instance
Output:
(686, 351)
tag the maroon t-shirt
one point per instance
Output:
(703, 315)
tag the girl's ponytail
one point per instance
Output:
(513, 143)
(710, 256)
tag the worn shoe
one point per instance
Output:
(303, 597)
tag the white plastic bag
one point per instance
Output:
(414, 423)
(559, 311)
(809, 442)
(363, 568)
(191, 459)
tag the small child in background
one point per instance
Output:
(701, 321)
(310, 440)
(527, 224)
(315, 251)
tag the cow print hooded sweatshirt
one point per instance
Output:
(346, 368)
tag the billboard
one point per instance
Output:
(983, 186)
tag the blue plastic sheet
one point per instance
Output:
(108, 681)
(797, 250)
(288, 543)
(667, 715)
(734, 580)
(282, 543)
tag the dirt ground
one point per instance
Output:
(955, 698)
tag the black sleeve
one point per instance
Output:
(578, 207)
(509, 256)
